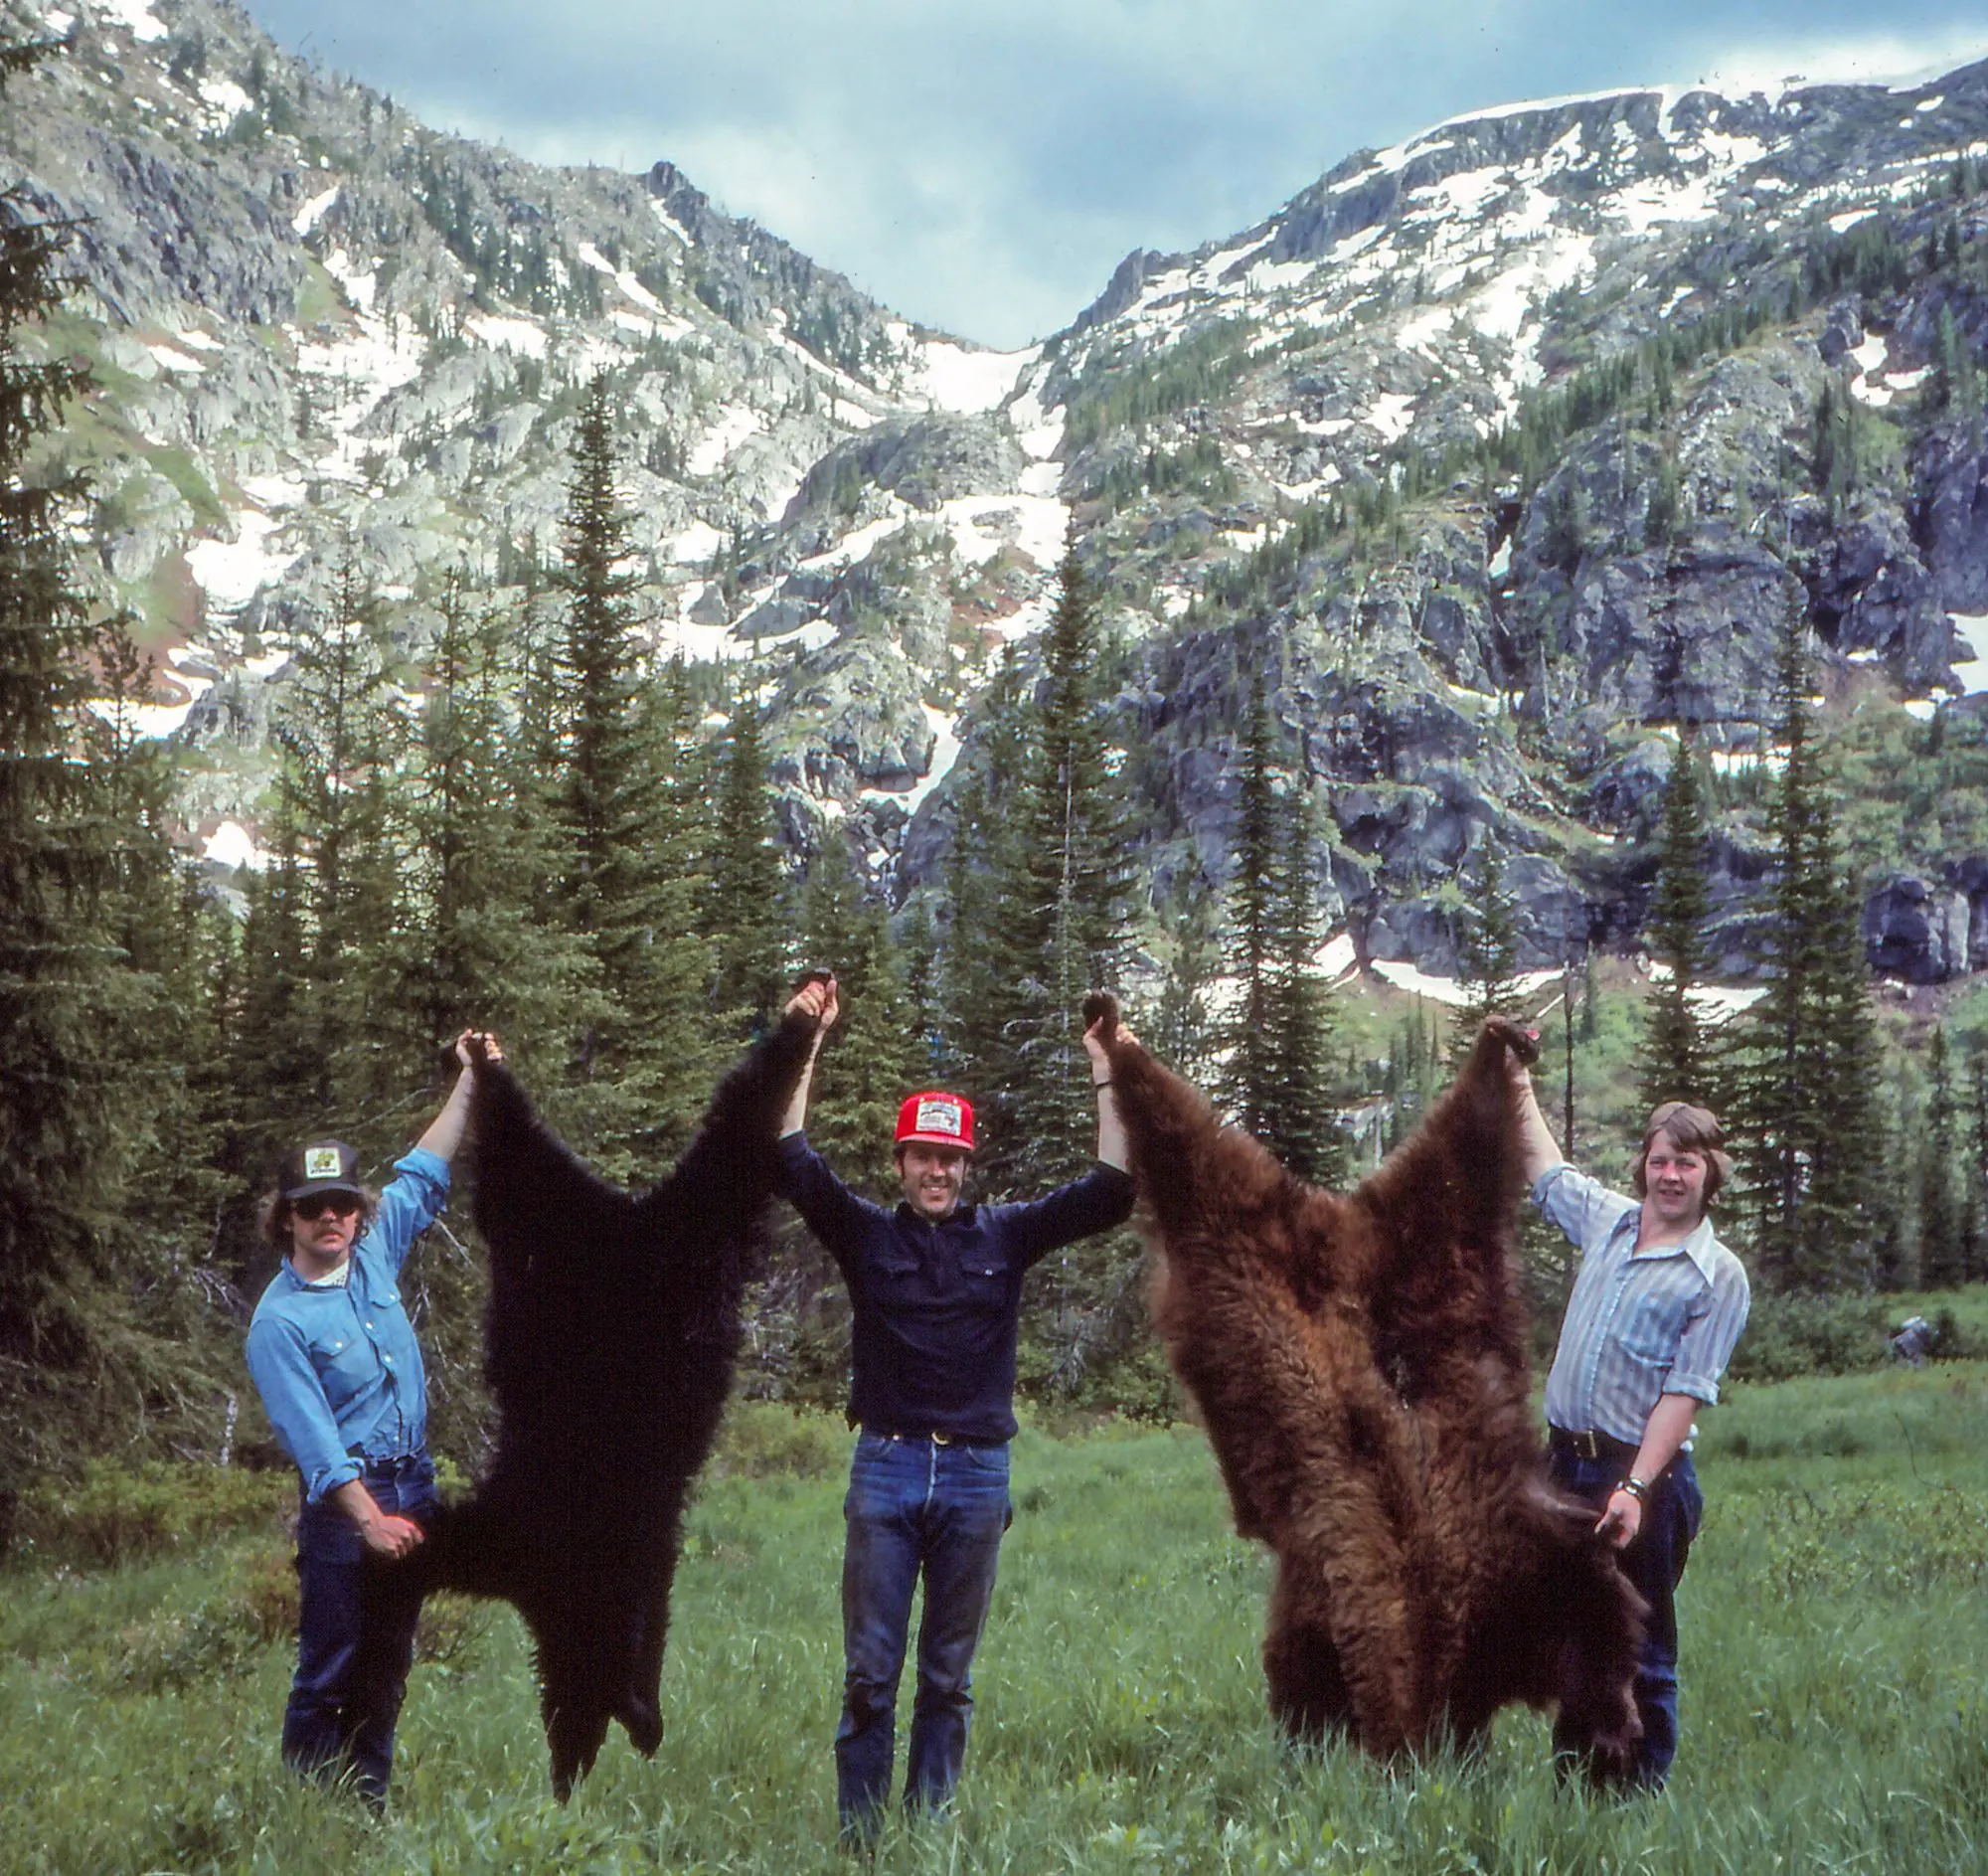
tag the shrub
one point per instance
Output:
(764, 1440)
(116, 1513)
(1797, 1335)
(253, 1606)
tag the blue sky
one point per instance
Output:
(982, 165)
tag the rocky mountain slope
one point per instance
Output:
(1500, 453)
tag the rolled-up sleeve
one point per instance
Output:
(1711, 1333)
(1584, 1209)
(279, 1364)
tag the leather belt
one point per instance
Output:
(1588, 1444)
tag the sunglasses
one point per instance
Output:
(344, 1204)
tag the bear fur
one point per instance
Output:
(1359, 1362)
(612, 1332)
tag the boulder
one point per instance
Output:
(1628, 792)
(1916, 930)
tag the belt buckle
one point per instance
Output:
(1588, 1443)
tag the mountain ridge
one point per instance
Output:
(859, 513)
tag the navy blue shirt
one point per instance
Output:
(938, 1305)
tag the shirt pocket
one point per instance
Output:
(986, 1282)
(344, 1362)
(1651, 1328)
(897, 1281)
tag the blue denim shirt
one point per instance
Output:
(938, 1306)
(337, 1365)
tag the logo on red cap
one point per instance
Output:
(937, 1120)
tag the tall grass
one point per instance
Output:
(1834, 1623)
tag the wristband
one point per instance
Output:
(1635, 1487)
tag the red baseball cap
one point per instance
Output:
(937, 1120)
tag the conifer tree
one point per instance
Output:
(979, 975)
(460, 815)
(276, 1042)
(919, 947)
(1183, 1018)
(645, 1052)
(1060, 913)
(488, 947)
(1488, 955)
(1674, 1062)
(1302, 1124)
(167, 943)
(744, 916)
(340, 734)
(1805, 1086)
(873, 1057)
(1941, 1259)
(57, 1079)
(1249, 1086)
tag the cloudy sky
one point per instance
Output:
(982, 165)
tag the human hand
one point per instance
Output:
(1622, 1520)
(493, 1050)
(391, 1536)
(1094, 1041)
(819, 999)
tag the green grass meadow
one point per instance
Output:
(1835, 1622)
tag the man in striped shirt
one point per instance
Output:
(1657, 1307)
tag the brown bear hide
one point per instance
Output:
(1359, 1362)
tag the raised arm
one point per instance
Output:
(816, 998)
(1112, 1147)
(446, 1130)
(1539, 1151)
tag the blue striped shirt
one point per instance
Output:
(1638, 1326)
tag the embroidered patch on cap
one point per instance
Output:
(938, 1116)
(321, 1162)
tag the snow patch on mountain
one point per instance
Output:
(945, 751)
(1037, 431)
(966, 378)
(232, 573)
(1970, 670)
(1446, 990)
(135, 16)
(505, 334)
(982, 525)
(314, 211)
(173, 359)
(225, 101)
(724, 437)
(231, 845)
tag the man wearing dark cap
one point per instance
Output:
(335, 1360)
(935, 1285)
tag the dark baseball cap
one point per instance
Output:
(321, 1166)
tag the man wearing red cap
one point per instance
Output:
(935, 1285)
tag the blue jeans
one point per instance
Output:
(352, 1674)
(914, 1506)
(1654, 1563)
